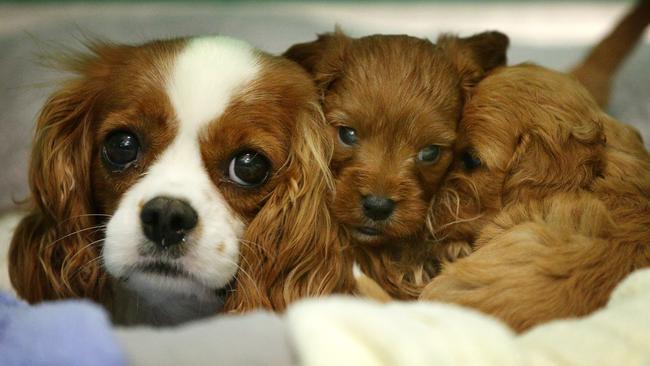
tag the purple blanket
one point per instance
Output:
(65, 333)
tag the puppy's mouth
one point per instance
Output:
(163, 269)
(369, 231)
(368, 235)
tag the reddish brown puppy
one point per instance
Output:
(551, 192)
(392, 103)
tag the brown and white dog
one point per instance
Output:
(184, 171)
(393, 103)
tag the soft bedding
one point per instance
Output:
(333, 331)
(65, 333)
(364, 333)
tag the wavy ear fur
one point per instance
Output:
(476, 55)
(54, 253)
(323, 58)
(291, 249)
(564, 151)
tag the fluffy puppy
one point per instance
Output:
(553, 195)
(393, 103)
(184, 171)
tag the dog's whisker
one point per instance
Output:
(449, 200)
(79, 251)
(253, 247)
(239, 268)
(244, 261)
(89, 263)
(251, 244)
(95, 227)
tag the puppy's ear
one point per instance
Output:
(474, 56)
(322, 58)
(55, 249)
(292, 249)
(54, 253)
(555, 156)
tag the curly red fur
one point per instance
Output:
(54, 252)
(400, 94)
(559, 211)
(292, 249)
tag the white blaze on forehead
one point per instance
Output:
(206, 75)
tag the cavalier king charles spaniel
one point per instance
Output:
(393, 103)
(172, 176)
(551, 193)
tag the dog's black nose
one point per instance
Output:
(166, 221)
(377, 208)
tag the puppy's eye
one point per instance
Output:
(469, 160)
(249, 169)
(429, 154)
(121, 148)
(348, 136)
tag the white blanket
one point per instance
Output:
(346, 331)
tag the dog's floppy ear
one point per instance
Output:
(54, 252)
(292, 249)
(55, 249)
(322, 58)
(474, 56)
(559, 155)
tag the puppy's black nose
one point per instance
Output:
(166, 221)
(377, 208)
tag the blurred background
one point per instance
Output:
(551, 33)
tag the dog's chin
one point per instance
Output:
(163, 296)
(160, 280)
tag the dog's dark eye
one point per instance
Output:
(348, 136)
(121, 148)
(470, 160)
(249, 169)
(429, 154)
